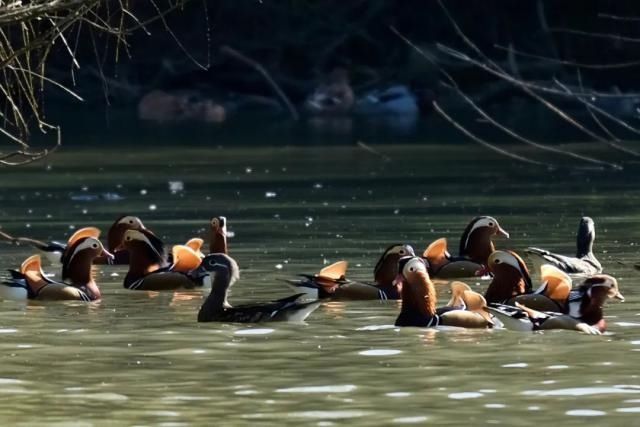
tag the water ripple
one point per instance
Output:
(330, 415)
(515, 365)
(585, 413)
(261, 331)
(466, 395)
(375, 327)
(346, 388)
(380, 352)
(410, 420)
(631, 410)
(580, 391)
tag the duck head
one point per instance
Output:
(585, 237)
(510, 276)
(386, 268)
(476, 243)
(146, 251)
(77, 261)
(418, 292)
(595, 291)
(218, 235)
(225, 273)
(119, 227)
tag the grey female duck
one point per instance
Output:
(216, 307)
(585, 262)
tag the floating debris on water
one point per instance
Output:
(175, 186)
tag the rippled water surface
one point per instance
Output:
(140, 359)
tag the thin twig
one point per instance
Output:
(483, 142)
(259, 68)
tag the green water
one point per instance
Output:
(134, 359)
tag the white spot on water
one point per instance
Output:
(329, 415)
(585, 413)
(515, 365)
(8, 331)
(375, 327)
(398, 394)
(465, 395)
(153, 207)
(633, 410)
(557, 367)
(580, 391)
(175, 186)
(346, 388)
(270, 194)
(279, 266)
(495, 405)
(410, 420)
(258, 331)
(380, 352)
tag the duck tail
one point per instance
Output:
(512, 318)
(297, 311)
(306, 286)
(15, 287)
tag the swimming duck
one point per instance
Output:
(333, 96)
(331, 281)
(475, 247)
(53, 250)
(149, 269)
(522, 318)
(585, 262)
(115, 236)
(31, 283)
(512, 284)
(419, 301)
(216, 307)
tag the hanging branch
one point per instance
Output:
(498, 71)
(259, 68)
(484, 143)
(453, 85)
(28, 30)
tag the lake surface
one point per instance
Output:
(137, 359)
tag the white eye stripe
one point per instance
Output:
(89, 243)
(483, 222)
(505, 258)
(130, 220)
(413, 266)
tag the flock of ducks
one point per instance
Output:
(510, 301)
